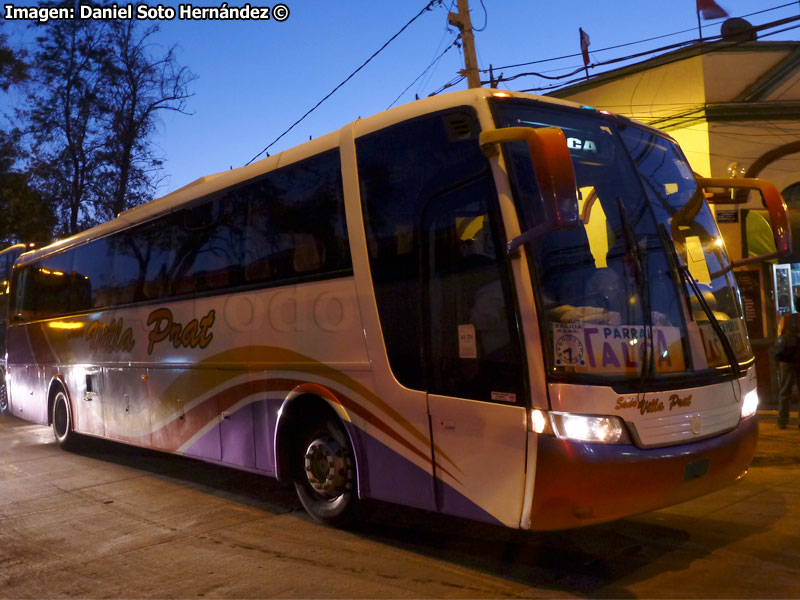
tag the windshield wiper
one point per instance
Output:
(642, 287)
(688, 279)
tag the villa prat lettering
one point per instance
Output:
(653, 405)
(195, 334)
(109, 337)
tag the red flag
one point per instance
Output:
(709, 9)
(585, 46)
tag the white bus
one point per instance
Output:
(7, 257)
(493, 305)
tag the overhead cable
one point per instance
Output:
(427, 7)
(577, 54)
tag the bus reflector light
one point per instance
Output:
(587, 428)
(538, 420)
(750, 403)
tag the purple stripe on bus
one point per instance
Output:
(393, 478)
(454, 503)
(264, 418)
(237, 434)
(208, 446)
(240, 440)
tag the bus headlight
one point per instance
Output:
(750, 403)
(588, 428)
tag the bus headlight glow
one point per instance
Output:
(750, 403)
(538, 420)
(588, 428)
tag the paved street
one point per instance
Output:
(111, 522)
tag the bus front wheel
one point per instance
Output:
(62, 421)
(325, 475)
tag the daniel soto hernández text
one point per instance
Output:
(147, 12)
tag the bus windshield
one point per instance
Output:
(639, 287)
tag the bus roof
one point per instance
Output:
(13, 248)
(209, 184)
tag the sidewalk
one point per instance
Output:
(777, 446)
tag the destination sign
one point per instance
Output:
(615, 349)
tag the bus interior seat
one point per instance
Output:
(307, 256)
(568, 264)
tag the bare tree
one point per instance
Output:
(142, 81)
(65, 118)
(24, 214)
(92, 112)
(13, 69)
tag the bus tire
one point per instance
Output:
(325, 475)
(61, 419)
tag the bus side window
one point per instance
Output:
(52, 285)
(209, 255)
(295, 222)
(307, 254)
(400, 169)
(93, 268)
(474, 346)
(127, 250)
(160, 258)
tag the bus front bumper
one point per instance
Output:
(579, 484)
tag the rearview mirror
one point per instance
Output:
(734, 191)
(555, 176)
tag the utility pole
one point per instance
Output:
(464, 23)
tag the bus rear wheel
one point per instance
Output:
(61, 418)
(325, 475)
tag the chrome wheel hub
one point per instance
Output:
(327, 467)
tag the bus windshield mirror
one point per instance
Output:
(531, 235)
(553, 172)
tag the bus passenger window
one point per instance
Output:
(307, 255)
(474, 351)
(295, 222)
(93, 269)
(402, 170)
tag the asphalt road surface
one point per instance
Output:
(111, 521)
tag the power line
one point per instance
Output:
(455, 81)
(448, 30)
(710, 48)
(576, 70)
(421, 75)
(428, 7)
(658, 37)
(485, 18)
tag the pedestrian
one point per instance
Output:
(787, 356)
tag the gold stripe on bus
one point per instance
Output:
(200, 381)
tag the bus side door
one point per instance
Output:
(475, 379)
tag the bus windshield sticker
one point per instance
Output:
(504, 397)
(698, 266)
(568, 340)
(467, 345)
(734, 330)
(598, 348)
